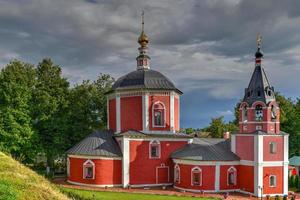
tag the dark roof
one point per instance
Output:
(259, 88)
(99, 143)
(144, 79)
(206, 149)
(294, 161)
(138, 134)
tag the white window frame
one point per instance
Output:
(192, 178)
(244, 111)
(153, 115)
(262, 112)
(273, 145)
(176, 172)
(235, 175)
(84, 167)
(275, 181)
(159, 149)
(68, 167)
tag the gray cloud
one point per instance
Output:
(203, 46)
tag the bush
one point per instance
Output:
(292, 181)
(7, 192)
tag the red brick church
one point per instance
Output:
(143, 147)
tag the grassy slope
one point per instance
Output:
(19, 182)
(97, 195)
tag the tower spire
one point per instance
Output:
(143, 59)
(258, 54)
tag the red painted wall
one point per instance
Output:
(131, 113)
(278, 156)
(208, 177)
(224, 178)
(142, 168)
(278, 171)
(107, 172)
(246, 178)
(176, 114)
(245, 147)
(112, 114)
(166, 101)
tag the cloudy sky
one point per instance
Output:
(206, 47)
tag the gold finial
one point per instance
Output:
(258, 40)
(143, 39)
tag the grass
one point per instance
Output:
(20, 182)
(97, 195)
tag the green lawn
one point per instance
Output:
(95, 195)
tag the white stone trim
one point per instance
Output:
(162, 166)
(235, 175)
(94, 157)
(259, 165)
(192, 173)
(208, 191)
(160, 139)
(217, 177)
(206, 163)
(159, 149)
(68, 166)
(177, 167)
(165, 115)
(233, 143)
(118, 114)
(83, 169)
(150, 185)
(93, 185)
(145, 104)
(125, 163)
(286, 165)
(259, 122)
(247, 162)
(130, 93)
(172, 111)
(178, 112)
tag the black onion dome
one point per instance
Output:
(144, 79)
(258, 53)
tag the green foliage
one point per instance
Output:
(189, 130)
(7, 192)
(292, 181)
(17, 81)
(218, 127)
(95, 195)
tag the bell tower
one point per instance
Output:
(261, 146)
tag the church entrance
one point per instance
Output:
(162, 174)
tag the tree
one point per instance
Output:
(217, 127)
(50, 105)
(17, 81)
(88, 110)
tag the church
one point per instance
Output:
(142, 146)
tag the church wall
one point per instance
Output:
(143, 169)
(131, 113)
(278, 156)
(166, 101)
(208, 177)
(246, 178)
(107, 172)
(112, 114)
(224, 177)
(278, 171)
(245, 147)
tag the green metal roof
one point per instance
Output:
(295, 161)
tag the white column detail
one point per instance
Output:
(260, 150)
(255, 164)
(172, 111)
(286, 164)
(178, 97)
(125, 162)
(118, 113)
(145, 104)
(217, 177)
(233, 143)
(107, 111)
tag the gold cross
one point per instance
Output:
(143, 20)
(258, 40)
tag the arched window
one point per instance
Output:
(88, 170)
(273, 112)
(68, 166)
(245, 113)
(196, 176)
(258, 113)
(154, 149)
(176, 174)
(272, 181)
(158, 114)
(273, 147)
(231, 176)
